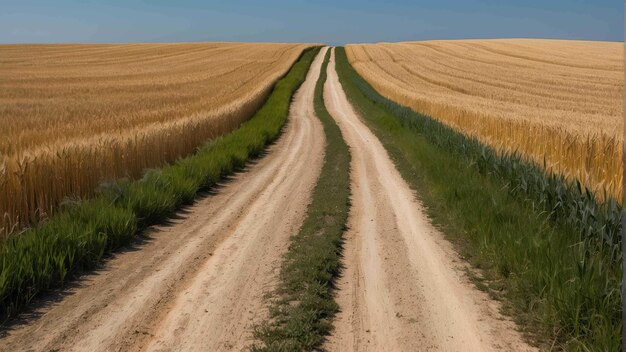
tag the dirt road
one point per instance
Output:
(199, 283)
(403, 288)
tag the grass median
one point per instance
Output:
(304, 306)
(546, 246)
(77, 238)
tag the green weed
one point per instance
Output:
(304, 308)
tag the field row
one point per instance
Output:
(78, 115)
(555, 102)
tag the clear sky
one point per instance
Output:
(326, 21)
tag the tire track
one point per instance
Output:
(199, 283)
(403, 288)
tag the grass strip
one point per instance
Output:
(545, 246)
(302, 313)
(77, 238)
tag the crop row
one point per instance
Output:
(74, 116)
(558, 103)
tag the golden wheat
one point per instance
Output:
(73, 116)
(556, 102)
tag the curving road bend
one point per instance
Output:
(199, 283)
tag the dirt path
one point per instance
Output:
(403, 288)
(199, 283)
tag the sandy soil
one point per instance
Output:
(404, 287)
(197, 284)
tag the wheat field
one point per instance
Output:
(73, 116)
(560, 103)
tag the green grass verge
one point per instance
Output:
(79, 236)
(301, 315)
(545, 246)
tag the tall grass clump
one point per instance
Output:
(546, 245)
(301, 314)
(77, 238)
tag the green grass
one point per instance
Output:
(77, 238)
(546, 247)
(302, 312)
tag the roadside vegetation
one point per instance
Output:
(77, 237)
(76, 115)
(301, 313)
(544, 244)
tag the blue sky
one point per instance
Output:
(326, 21)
